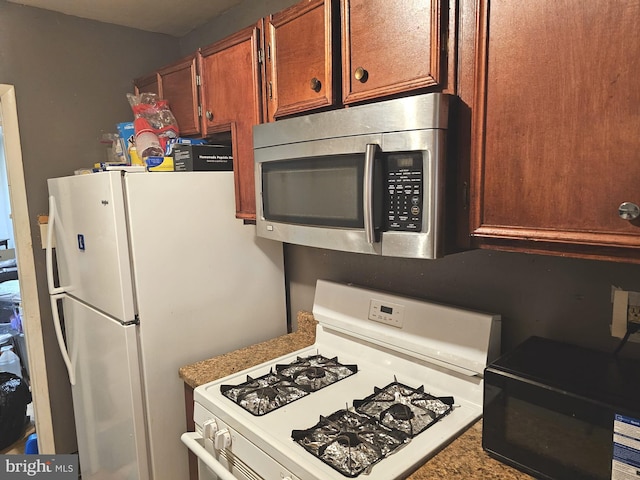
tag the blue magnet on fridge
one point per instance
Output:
(81, 241)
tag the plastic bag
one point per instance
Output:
(153, 123)
(16, 320)
(14, 398)
(156, 112)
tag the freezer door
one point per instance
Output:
(92, 249)
(107, 396)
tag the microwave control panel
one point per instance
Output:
(404, 200)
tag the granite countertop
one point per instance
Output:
(463, 458)
(222, 365)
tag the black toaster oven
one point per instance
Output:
(559, 411)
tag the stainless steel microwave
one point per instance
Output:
(563, 412)
(366, 179)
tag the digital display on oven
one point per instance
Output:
(387, 310)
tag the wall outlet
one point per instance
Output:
(633, 313)
(626, 308)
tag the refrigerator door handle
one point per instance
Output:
(49, 249)
(60, 337)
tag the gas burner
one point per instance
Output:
(287, 384)
(404, 408)
(264, 394)
(316, 372)
(349, 442)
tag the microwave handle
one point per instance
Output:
(367, 192)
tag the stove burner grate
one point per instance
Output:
(404, 408)
(262, 395)
(316, 372)
(349, 442)
(353, 440)
(287, 384)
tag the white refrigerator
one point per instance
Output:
(153, 272)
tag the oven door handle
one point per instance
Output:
(367, 193)
(193, 441)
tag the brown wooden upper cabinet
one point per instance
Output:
(147, 84)
(232, 95)
(179, 86)
(301, 56)
(391, 47)
(556, 151)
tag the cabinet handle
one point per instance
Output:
(315, 84)
(628, 211)
(361, 74)
(209, 115)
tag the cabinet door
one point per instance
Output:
(178, 84)
(147, 84)
(390, 47)
(556, 144)
(231, 88)
(300, 58)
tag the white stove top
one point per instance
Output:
(416, 351)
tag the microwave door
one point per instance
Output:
(310, 196)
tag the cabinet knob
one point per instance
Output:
(315, 84)
(628, 211)
(361, 74)
(209, 115)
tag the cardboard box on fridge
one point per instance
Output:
(203, 158)
(155, 165)
(127, 138)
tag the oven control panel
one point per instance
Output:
(386, 312)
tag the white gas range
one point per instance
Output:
(388, 382)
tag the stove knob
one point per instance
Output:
(222, 439)
(209, 427)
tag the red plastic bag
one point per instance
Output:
(153, 124)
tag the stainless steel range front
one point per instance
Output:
(387, 383)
